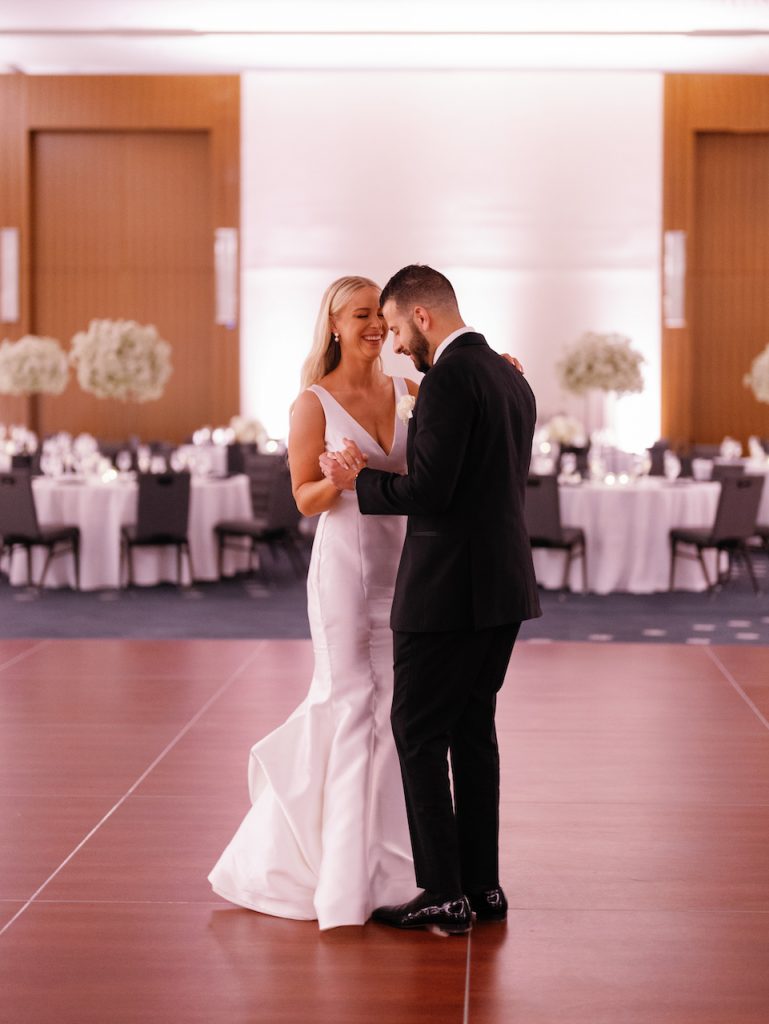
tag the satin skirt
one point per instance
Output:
(326, 837)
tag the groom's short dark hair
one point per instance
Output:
(418, 285)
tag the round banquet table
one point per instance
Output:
(627, 535)
(100, 509)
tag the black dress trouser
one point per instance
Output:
(444, 701)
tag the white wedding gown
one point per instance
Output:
(327, 836)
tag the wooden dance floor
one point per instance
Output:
(635, 845)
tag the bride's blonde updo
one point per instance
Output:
(325, 352)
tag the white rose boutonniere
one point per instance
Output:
(405, 408)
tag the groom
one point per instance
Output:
(464, 585)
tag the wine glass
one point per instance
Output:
(124, 461)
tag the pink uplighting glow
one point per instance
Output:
(539, 195)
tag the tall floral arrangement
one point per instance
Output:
(33, 365)
(606, 362)
(758, 378)
(121, 359)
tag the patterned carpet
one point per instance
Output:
(250, 607)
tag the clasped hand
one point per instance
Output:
(342, 467)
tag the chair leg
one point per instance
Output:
(567, 568)
(29, 564)
(189, 562)
(584, 569)
(710, 585)
(673, 554)
(76, 556)
(48, 557)
(743, 549)
(220, 557)
(295, 556)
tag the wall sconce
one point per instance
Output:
(226, 276)
(674, 279)
(9, 275)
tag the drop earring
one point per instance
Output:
(335, 337)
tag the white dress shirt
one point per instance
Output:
(447, 341)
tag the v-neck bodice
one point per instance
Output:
(340, 424)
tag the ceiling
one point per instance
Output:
(231, 36)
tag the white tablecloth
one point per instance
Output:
(100, 509)
(627, 535)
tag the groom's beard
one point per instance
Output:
(419, 350)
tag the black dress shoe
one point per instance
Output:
(429, 911)
(489, 905)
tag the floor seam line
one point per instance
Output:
(23, 654)
(166, 750)
(733, 682)
(466, 1013)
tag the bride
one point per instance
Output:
(326, 837)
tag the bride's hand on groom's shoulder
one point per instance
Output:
(513, 361)
(342, 467)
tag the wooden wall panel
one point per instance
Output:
(121, 230)
(13, 199)
(202, 107)
(730, 282)
(696, 108)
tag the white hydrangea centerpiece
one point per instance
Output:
(121, 359)
(566, 430)
(758, 378)
(32, 366)
(248, 430)
(606, 362)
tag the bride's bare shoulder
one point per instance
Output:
(307, 409)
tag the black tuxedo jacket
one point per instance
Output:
(466, 561)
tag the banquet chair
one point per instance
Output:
(161, 520)
(722, 470)
(235, 453)
(734, 524)
(543, 522)
(274, 518)
(19, 526)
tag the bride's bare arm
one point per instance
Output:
(306, 443)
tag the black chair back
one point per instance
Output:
(262, 471)
(543, 509)
(721, 471)
(18, 517)
(164, 505)
(737, 510)
(282, 513)
(235, 453)
(657, 453)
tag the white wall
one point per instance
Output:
(538, 194)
